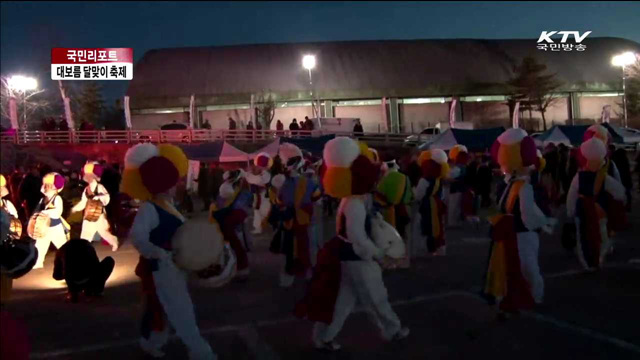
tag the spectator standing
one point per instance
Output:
(216, 179)
(357, 129)
(294, 127)
(232, 127)
(30, 191)
(204, 190)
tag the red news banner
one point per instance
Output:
(92, 64)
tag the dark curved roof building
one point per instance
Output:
(359, 74)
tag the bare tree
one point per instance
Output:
(33, 103)
(265, 109)
(533, 86)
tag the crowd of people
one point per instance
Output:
(388, 215)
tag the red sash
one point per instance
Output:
(504, 275)
(319, 301)
(143, 271)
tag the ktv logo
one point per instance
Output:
(545, 42)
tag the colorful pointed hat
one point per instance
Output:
(513, 150)
(93, 168)
(598, 131)
(263, 160)
(350, 169)
(151, 170)
(433, 164)
(592, 154)
(55, 179)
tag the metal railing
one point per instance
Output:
(191, 136)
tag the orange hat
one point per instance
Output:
(459, 155)
(433, 163)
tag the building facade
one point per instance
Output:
(392, 86)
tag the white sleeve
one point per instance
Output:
(145, 221)
(104, 196)
(615, 188)
(421, 189)
(56, 211)
(572, 197)
(82, 204)
(226, 190)
(10, 208)
(355, 215)
(532, 217)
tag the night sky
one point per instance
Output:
(30, 29)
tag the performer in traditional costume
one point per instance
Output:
(47, 223)
(5, 203)
(18, 256)
(230, 210)
(295, 200)
(259, 181)
(428, 228)
(348, 267)
(151, 174)
(312, 171)
(461, 201)
(15, 225)
(392, 195)
(513, 275)
(94, 200)
(587, 202)
(616, 211)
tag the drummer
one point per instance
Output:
(94, 200)
(6, 204)
(151, 175)
(50, 208)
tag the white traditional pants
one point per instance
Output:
(528, 248)
(361, 281)
(454, 210)
(94, 230)
(172, 291)
(260, 214)
(56, 235)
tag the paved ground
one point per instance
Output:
(585, 316)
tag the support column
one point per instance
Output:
(574, 107)
(394, 116)
(328, 108)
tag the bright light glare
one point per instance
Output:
(22, 83)
(309, 62)
(625, 59)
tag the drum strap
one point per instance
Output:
(45, 206)
(90, 193)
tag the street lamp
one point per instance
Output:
(23, 84)
(622, 61)
(309, 63)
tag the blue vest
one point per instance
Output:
(586, 187)
(162, 234)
